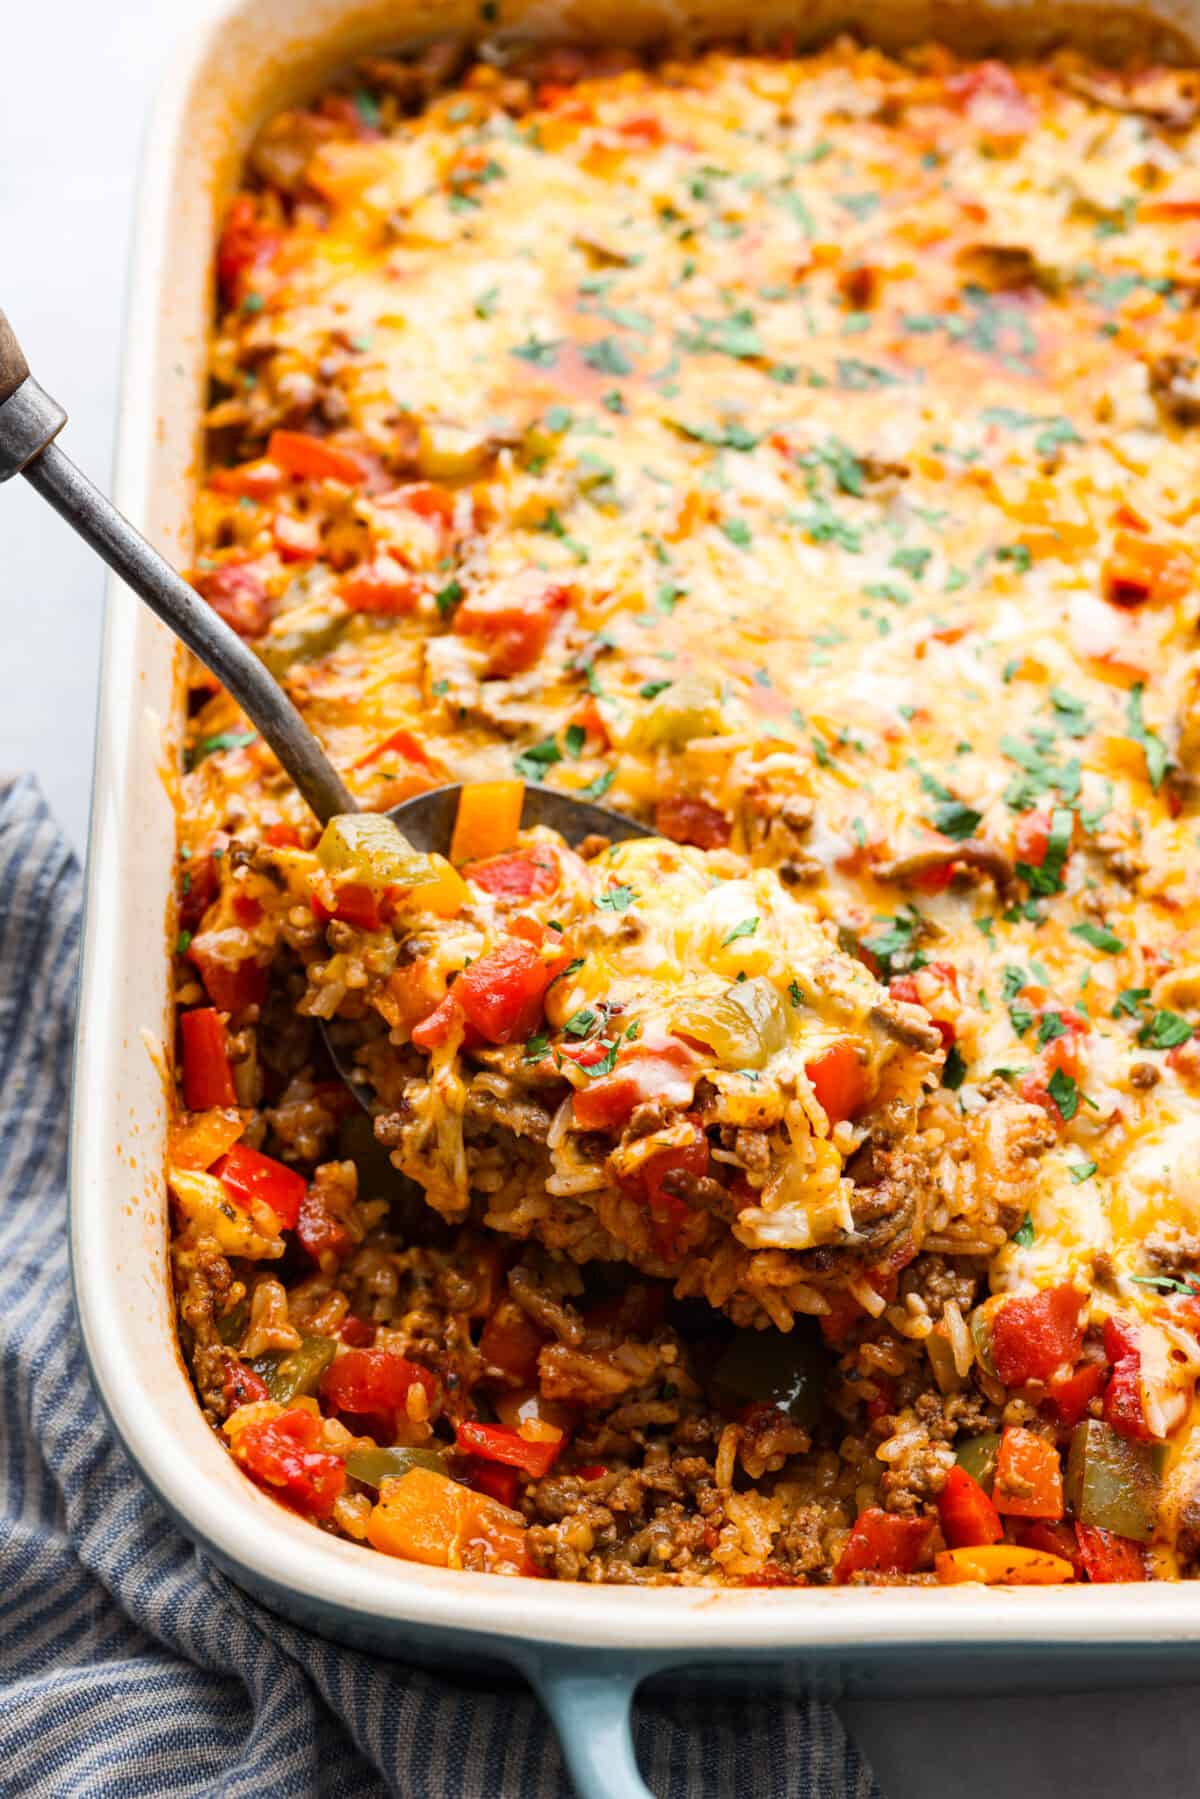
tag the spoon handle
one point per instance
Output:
(29, 420)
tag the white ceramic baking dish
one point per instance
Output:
(585, 1649)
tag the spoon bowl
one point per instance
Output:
(427, 821)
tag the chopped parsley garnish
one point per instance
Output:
(1165, 1030)
(1130, 1002)
(650, 690)
(1153, 745)
(954, 1073)
(608, 355)
(1024, 1234)
(605, 1065)
(737, 531)
(580, 1023)
(222, 740)
(536, 1047)
(448, 596)
(617, 899)
(1081, 1171)
(895, 949)
(1065, 1094)
(532, 763)
(721, 437)
(746, 928)
(955, 820)
(596, 790)
(912, 561)
(1045, 877)
(794, 993)
(1099, 936)
(541, 351)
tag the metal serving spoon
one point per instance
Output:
(30, 421)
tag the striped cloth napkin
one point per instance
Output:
(129, 1666)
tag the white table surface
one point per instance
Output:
(75, 83)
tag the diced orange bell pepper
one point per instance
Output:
(446, 894)
(1002, 1564)
(1029, 1482)
(205, 1138)
(1138, 570)
(426, 1517)
(489, 817)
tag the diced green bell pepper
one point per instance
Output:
(231, 1327)
(374, 1466)
(1112, 1481)
(789, 1370)
(689, 707)
(744, 1026)
(302, 640)
(977, 1455)
(369, 848)
(299, 1371)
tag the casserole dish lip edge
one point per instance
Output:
(672, 1624)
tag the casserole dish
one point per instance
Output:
(579, 1654)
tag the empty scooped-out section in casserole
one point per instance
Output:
(799, 454)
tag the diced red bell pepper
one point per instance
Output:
(668, 1211)
(494, 1479)
(1054, 1538)
(296, 539)
(1069, 1395)
(510, 1342)
(501, 994)
(1029, 1482)
(497, 1444)
(374, 1383)
(231, 986)
(310, 458)
(1033, 1338)
(399, 743)
(246, 246)
(353, 903)
(686, 819)
(356, 1333)
(207, 1076)
(382, 587)
(881, 1543)
(513, 619)
(643, 1072)
(967, 1514)
(237, 592)
(424, 498)
(525, 874)
(320, 1233)
(839, 1081)
(248, 1175)
(282, 837)
(434, 1029)
(1107, 1557)
(281, 1453)
(257, 480)
(241, 1386)
(1123, 1407)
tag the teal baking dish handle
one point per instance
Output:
(589, 1696)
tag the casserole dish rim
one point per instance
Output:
(117, 1198)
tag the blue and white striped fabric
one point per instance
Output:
(130, 1667)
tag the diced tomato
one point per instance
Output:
(237, 592)
(382, 587)
(643, 1072)
(353, 903)
(247, 910)
(496, 1444)
(668, 1211)
(437, 1025)
(207, 1077)
(281, 1453)
(246, 247)
(1137, 570)
(881, 1543)
(839, 1081)
(248, 1175)
(1028, 1481)
(511, 1343)
(1123, 1408)
(231, 986)
(685, 819)
(494, 1479)
(257, 480)
(296, 539)
(357, 1333)
(501, 994)
(241, 1386)
(282, 837)
(1108, 1558)
(525, 874)
(967, 1514)
(310, 458)
(1069, 1395)
(374, 1383)
(1033, 1338)
(319, 1231)
(513, 618)
(1031, 837)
